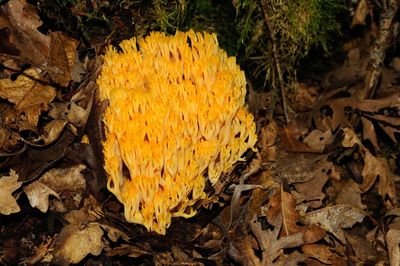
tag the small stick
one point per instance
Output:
(264, 8)
(378, 51)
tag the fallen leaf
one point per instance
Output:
(392, 237)
(361, 13)
(317, 140)
(8, 184)
(51, 132)
(290, 136)
(350, 193)
(133, 251)
(69, 183)
(22, 20)
(311, 190)
(335, 218)
(38, 195)
(319, 252)
(373, 168)
(378, 167)
(62, 58)
(74, 243)
(363, 250)
(270, 242)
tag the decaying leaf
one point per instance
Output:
(361, 13)
(289, 137)
(132, 251)
(82, 236)
(392, 236)
(335, 218)
(350, 193)
(311, 190)
(363, 250)
(374, 168)
(8, 184)
(317, 140)
(38, 195)
(51, 132)
(74, 243)
(22, 20)
(68, 182)
(319, 252)
(383, 112)
(55, 52)
(62, 58)
(283, 205)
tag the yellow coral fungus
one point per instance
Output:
(176, 116)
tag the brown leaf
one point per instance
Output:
(8, 184)
(133, 251)
(22, 22)
(38, 195)
(289, 137)
(52, 132)
(369, 132)
(361, 247)
(16, 90)
(335, 218)
(283, 205)
(295, 167)
(317, 140)
(62, 58)
(350, 193)
(74, 243)
(69, 183)
(270, 242)
(373, 168)
(392, 238)
(370, 110)
(319, 252)
(361, 13)
(311, 190)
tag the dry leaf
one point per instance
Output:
(283, 204)
(383, 112)
(69, 183)
(361, 13)
(392, 237)
(62, 58)
(361, 247)
(350, 193)
(311, 190)
(38, 195)
(133, 251)
(82, 236)
(289, 137)
(8, 184)
(270, 242)
(373, 168)
(52, 132)
(74, 243)
(378, 167)
(22, 21)
(319, 252)
(335, 218)
(317, 140)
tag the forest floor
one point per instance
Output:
(322, 188)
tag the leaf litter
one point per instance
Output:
(322, 189)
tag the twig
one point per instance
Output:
(270, 27)
(378, 51)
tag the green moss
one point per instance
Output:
(298, 25)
